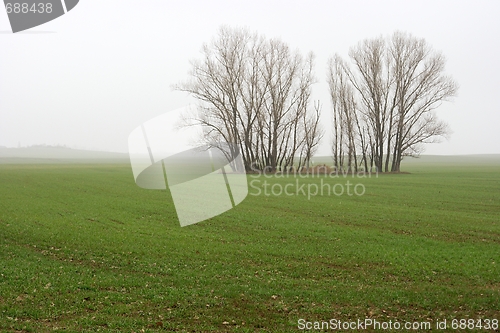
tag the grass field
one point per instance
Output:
(82, 248)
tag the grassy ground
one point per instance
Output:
(82, 248)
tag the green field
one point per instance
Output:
(83, 249)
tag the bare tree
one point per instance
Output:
(346, 123)
(216, 80)
(313, 133)
(397, 84)
(254, 93)
(372, 81)
(420, 87)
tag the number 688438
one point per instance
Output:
(24, 8)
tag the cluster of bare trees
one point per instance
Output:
(383, 101)
(255, 94)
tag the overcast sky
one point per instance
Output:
(88, 78)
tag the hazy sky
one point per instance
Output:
(88, 78)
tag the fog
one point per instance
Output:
(90, 77)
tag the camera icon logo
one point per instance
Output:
(26, 14)
(205, 181)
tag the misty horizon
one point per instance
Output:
(87, 86)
